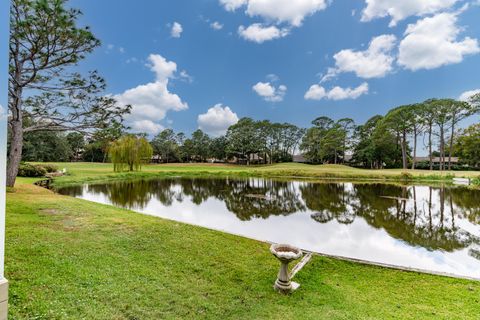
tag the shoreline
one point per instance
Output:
(104, 173)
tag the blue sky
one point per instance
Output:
(4, 34)
(181, 63)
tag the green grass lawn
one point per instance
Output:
(84, 171)
(67, 258)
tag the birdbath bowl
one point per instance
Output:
(286, 254)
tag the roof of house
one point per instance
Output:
(435, 159)
(299, 158)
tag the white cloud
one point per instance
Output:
(232, 5)
(146, 126)
(272, 77)
(259, 33)
(269, 92)
(185, 76)
(468, 94)
(163, 69)
(216, 120)
(288, 11)
(292, 12)
(151, 102)
(433, 42)
(375, 62)
(3, 113)
(399, 10)
(216, 25)
(317, 92)
(176, 30)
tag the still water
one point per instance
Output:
(436, 228)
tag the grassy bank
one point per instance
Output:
(71, 259)
(84, 172)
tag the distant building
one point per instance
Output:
(299, 158)
(436, 160)
(254, 158)
(156, 158)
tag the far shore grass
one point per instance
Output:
(98, 172)
(68, 258)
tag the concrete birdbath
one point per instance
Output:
(286, 254)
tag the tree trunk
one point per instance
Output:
(442, 149)
(16, 127)
(451, 146)
(414, 148)
(15, 154)
(430, 146)
(404, 150)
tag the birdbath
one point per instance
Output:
(286, 254)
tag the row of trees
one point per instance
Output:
(393, 140)
(262, 141)
(436, 121)
(382, 141)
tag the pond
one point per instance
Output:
(435, 228)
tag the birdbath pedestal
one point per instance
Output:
(286, 254)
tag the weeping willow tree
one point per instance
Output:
(129, 153)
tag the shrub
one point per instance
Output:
(406, 176)
(50, 167)
(31, 171)
(476, 181)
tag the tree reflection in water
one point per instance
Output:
(427, 221)
(418, 215)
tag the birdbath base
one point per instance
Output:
(293, 286)
(285, 253)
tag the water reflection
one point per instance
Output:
(434, 218)
(426, 220)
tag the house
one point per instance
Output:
(299, 158)
(436, 160)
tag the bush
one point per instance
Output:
(405, 176)
(31, 171)
(50, 168)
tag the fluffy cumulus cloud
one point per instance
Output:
(375, 62)
(259, 33)
(269, 92)
(433, 42)
(292, 12)
(399, 10)
(216, 120)
(288, 11)
(232, 5)
(317, 92)
(150, 102)
(176, 30)
(274, 12)
(468, 94)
